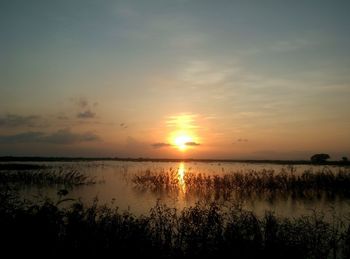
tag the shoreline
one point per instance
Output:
(141, 159)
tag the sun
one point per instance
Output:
(183, 132)
(181, 142)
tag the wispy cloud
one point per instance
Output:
(65, 136)
(86, 114)
(240, 140)
(161, 145)
(85, 108)
(62, 137)
(24, 137)
(192, 144)
(123, 125)
(182, 121)
(205, 73)
(12, 120)
(62, 117)
(285, 45)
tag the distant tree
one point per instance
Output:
(345, 159)
(319, 158)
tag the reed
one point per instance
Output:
(264, 182)
(46, 177)
(201, 231)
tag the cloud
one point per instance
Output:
(183, 121)
(62, 137)
(12, 120)
(85, 108)
(21, 137)
(161, 145)
(62, 117)
(123, 125)
(86, 114)
(207, 73)
(65, 136)
(192, 144)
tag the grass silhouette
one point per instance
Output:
(204, 230)
(308, 184)
(45, 177)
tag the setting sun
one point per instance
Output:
(181, 142)
(183, 131)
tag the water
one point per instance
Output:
(115, 187)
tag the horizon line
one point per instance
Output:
(148, 159)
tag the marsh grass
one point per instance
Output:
(252, 183)
(200, 231)
(21, 166)
(46, 177)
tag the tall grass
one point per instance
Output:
(8, 166)
(46, 177)
(201, 231)
(264, 182)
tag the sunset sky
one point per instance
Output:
(174, 79)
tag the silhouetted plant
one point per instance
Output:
(245, 184)
(204, 230)
(46, 177)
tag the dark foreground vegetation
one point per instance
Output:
(308, 184)
(203, 231)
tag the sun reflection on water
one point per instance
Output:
(180, 176)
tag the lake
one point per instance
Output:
(130, 185)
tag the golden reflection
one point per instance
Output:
(180, 176)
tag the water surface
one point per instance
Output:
(114, 186)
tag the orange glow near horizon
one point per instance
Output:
(183, 135)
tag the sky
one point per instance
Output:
(175, 79)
